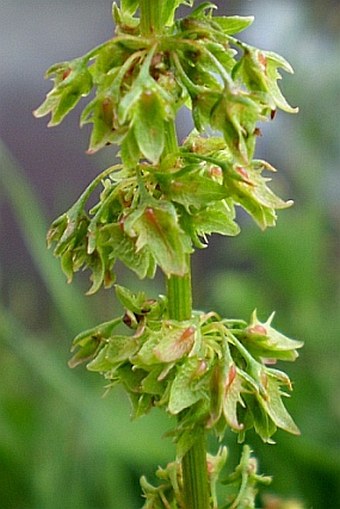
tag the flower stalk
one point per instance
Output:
(194, 462)
(195, 476)
(179, 296)
(150, 19)
(160, 203)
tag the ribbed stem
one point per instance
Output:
(171, 143)
(196, 493)
(195, 476)
(150, 17)
(180, 296)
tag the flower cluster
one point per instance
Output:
(157, 207)
(160, 202)
(141, 82)
(153, 215)
(209, 371)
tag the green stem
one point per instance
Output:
(194, 463)
(180, 296)
(150, 19)
(171, 144)
(195, 476)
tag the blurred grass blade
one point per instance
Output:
(122, 439)
(73, 308)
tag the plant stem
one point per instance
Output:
(171, 143)
(180, 296)
(194, 464)
(150, 17)
(195, 475)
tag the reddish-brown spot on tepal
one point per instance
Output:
(66, 73)
(176, 186)
(121, 223)
(147, 306)
(106, 104)
(269, 361)
(146, 97)
(107, 110)
(150, 215)
(156, 224)
(231, 375)
(200, 370)
(108, 279)
(258, 330)
(210, 467)
(244, 174)
(186, 340)
(263, 60)
(215, 171)
(187, 334)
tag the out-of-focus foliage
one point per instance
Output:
(62, 446)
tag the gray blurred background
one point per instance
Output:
(61, 446)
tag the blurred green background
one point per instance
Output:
(61, 444)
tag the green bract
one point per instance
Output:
(159, 203)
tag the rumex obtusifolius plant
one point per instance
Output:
(157, 204)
